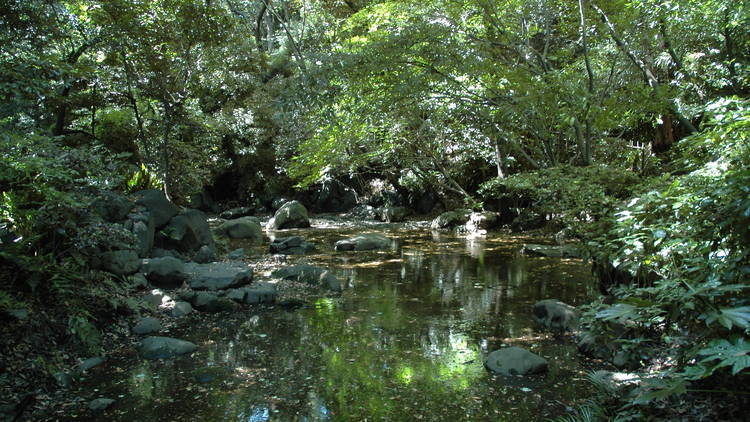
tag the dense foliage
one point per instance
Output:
(625, 123)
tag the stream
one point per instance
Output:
(405, 340)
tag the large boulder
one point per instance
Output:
(332, 196)
(204, 201)
(309, 274)
(242, 228)
(450, 219)
(187, 232)
(164, 347)
(211, 302)
(364, 242)
(253, 294)
(166, 272)
(293, 245)
(113, 207)
(291, 215)
(158, 205)
(393, 214)
(120, 262)
(144, 229)
(515, 361)
(565, 251)
(555, 315)
(147, 325)
(218, 275)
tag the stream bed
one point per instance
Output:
(404, 341)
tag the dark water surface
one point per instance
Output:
(405, 341)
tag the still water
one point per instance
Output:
(404, 341)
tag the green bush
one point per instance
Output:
(693, 233)
(575, 195)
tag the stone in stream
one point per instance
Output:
(256, 293)
(235, 213)
(364, 242)
(211, 302)
(236, 254)
(565, 251)
(89, 364)
(515, 361)
(100, 404)
(393, 214)
(555, 315)
(218, 275)
(450, 219)
(291, 215)
(309, 274)
(241, 228)
(205, 255)
(166, 272)
(293, 245)
(147, 325)
(180, 309)
(164, 347)
(482, 221)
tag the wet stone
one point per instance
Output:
(515, 361)
(147, 326)
(100, 404)
(164, 347)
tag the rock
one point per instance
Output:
(158, 205)
(565, 251)
(482, 221)
(120, 262)
(278, 203)
(164, 347)
(309, 274)
(89, 364)
(100, 404)
(113, 207)
(235, 213)
(147, 326)
(393, 214)
(166, 272)
(332, 196)
(515, 361)
(210, 302)
(218, 275)
(450, 219)
(144, 231)
(138, 280)
(205, 255)
(256, 293)
(236, 254)
(161, 253)
(180, 309)
(186, 232)
(203, 201)
(64, 379)
(364, 242)
(555, 315)
(242, 228)
(294, 245)
(155, 297)
(291, 215)
(367, 212)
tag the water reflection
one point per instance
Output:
(407, 337)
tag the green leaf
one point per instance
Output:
(729, 317)
(619, 312)
(728, 354)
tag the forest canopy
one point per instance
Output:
(625, 122)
